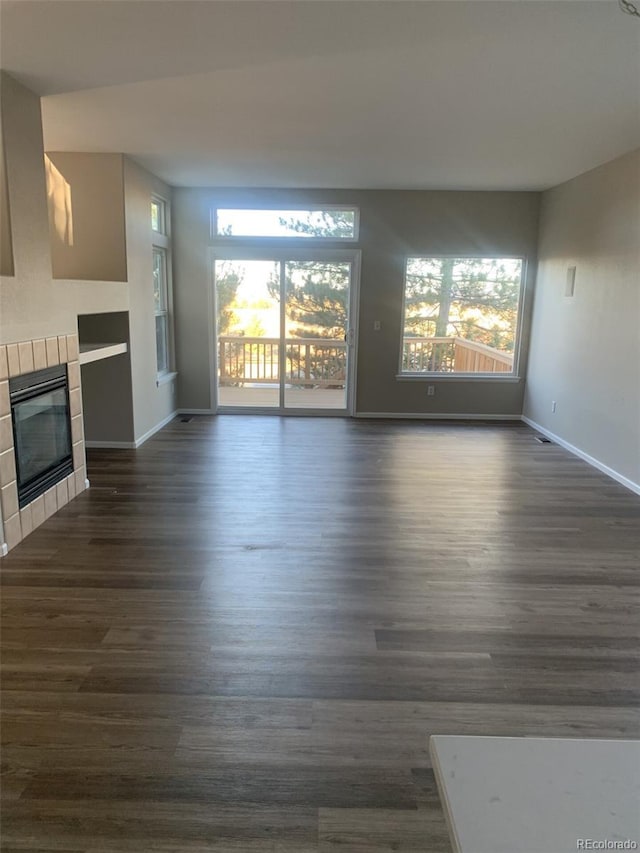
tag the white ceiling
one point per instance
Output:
(473, 94)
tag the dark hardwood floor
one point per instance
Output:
(241, 638)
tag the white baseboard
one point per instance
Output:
(436, 416)
(4, 549)
(131, 445)
(615, 475)
(195, 412)
(140, 441)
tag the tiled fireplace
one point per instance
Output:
(21, 516)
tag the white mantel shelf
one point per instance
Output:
(96, 352)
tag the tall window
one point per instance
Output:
(461, 315)
(161, 308)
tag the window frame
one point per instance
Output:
(514, 375)
(307, 241)
(166, 313)
(162, 216)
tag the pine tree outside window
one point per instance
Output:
(461, 315)
(329, 223)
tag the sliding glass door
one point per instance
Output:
(248, 333)
(284, 331)
(316, 323)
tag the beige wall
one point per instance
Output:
(85, 193)
(585, 350)
(28, 291)
(6, 247)
(392, 226)
(32, 305)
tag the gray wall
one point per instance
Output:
(107, 398)
(123, 400)
(393, 224)
(152, 403)
(585, 350)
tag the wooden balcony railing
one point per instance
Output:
(449, 355)
(322, 362)
(310, 362)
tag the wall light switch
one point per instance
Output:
(570, 287)
(376, 325)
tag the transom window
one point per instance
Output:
(158, 215)
(319, 223)
(461, 315)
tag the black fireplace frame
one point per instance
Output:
(25, 387)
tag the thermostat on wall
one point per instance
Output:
(571, 282)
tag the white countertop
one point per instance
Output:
(537, 795)
(96, 352)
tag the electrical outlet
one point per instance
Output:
(553, 406)
(431, 390)
(376, 325)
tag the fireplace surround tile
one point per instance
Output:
(62, 348)
(73, 352)
(4, 369)
(71, 486)
(37, 512)
(7, 467)
(12, 531)
(6, 434)
(62, 493)
(50, 502)
(76, 429)
(78, 454)
(75, 402)
(80, 478)
(5, 401)
(25, 357)
(73, 372)
(26, 520)
(53, 354)
(13, 359)
(9, 499)
(39, 354)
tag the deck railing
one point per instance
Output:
(310, 362)
(322, 362)
(449, 355)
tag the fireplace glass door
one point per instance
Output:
(41, 429)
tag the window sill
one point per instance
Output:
(163, 378)
(456, 377)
